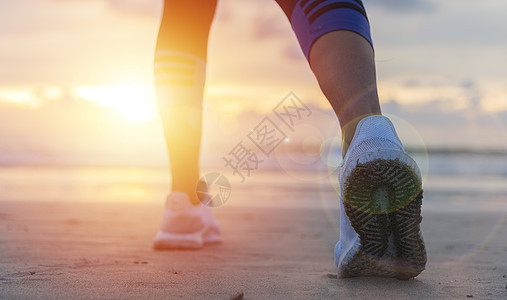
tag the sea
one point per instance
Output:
(452, 180)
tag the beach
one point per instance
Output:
(278, 239)
(93, 94)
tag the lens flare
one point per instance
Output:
(300, 155)
(413, 143)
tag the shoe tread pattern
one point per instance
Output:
(375, 218)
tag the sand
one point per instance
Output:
(62, 250)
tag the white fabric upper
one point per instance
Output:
(181, 216)
(372, 133)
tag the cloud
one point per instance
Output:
(403, 5)
(450, 112)
(136, 7)
(485, 94)
(461, 128)
(268, 27)
(416, 89)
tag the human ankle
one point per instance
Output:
(190, 190)
(349, 130)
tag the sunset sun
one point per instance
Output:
(136, 102)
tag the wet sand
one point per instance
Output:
(62, 250)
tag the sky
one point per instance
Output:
(76, 82)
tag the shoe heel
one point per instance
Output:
(382, 195)
(410, 249)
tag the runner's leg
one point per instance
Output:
(341, 56)
(380, 185)
(180, 67)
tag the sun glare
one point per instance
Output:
(136, 102)
(20, 96)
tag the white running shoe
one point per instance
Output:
(380, 199)
(186, 226)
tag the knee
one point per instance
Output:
(185, 26)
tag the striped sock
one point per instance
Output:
(179, 78)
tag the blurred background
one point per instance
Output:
(78, 118)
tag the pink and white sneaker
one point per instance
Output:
(186, 226)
